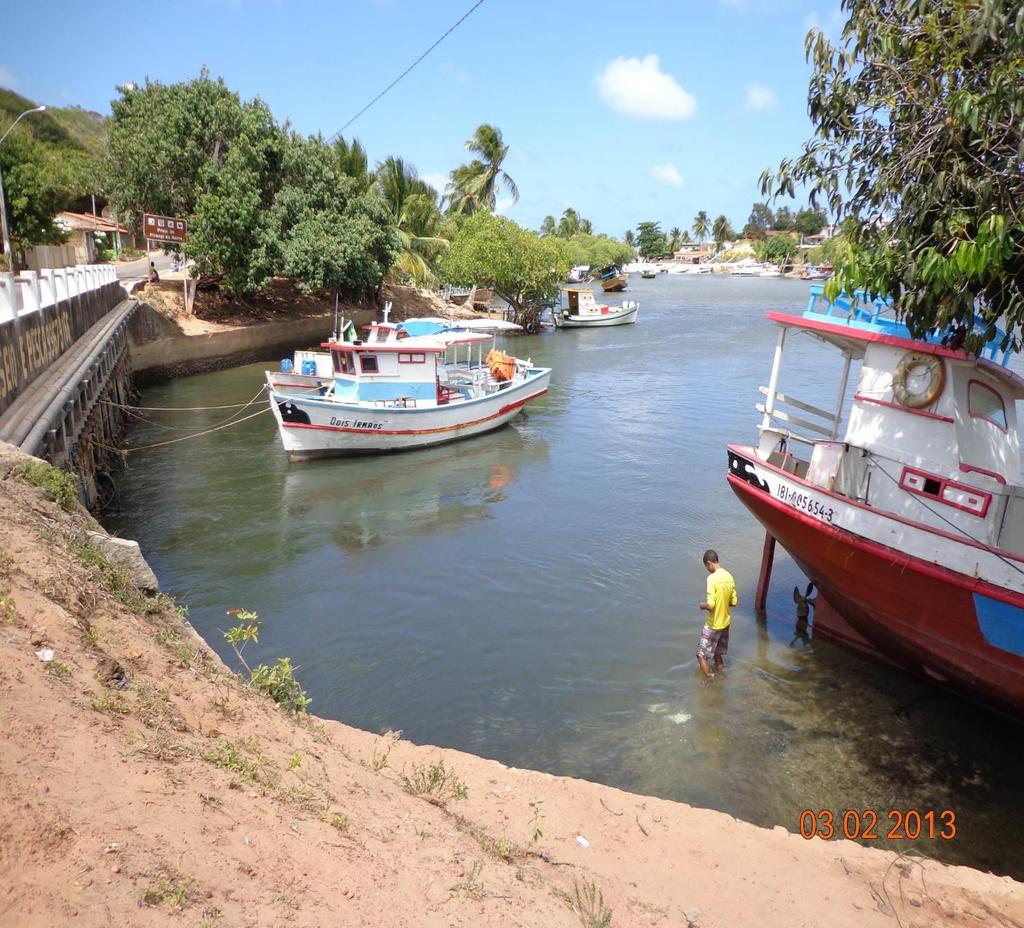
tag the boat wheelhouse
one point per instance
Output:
(911, 521)
(393, 391)
(579, 310)
(613, 279)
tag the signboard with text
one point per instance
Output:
(164, 229)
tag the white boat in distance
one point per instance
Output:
(579, 310)
(393, 391)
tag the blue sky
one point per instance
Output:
(627, 112)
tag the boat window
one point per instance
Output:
(368, 363)
(343, 363)
(418, 357)
(984, 403)
(382, 335)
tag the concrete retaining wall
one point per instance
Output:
(160, 350)
(32, 341)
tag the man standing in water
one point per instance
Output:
(714, 638)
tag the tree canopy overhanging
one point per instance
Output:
(918, 113)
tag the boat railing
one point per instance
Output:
(814, 419)
(878, 314)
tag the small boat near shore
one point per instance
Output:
(613, 279)
(648, 273)
(393, 391)
(579, 310)
(911, 524)
(580, 274)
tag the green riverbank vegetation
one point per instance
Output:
(918, 112)
(264, 201)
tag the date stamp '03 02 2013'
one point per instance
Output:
(869, 825)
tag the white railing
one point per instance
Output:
(30, 291)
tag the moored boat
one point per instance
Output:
(579, 310)
(613, 279)
(393, 391)
(912, 523)
(580, 274)
(648, 273)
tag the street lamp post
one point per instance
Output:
(3, 201)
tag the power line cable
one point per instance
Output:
(451, 29)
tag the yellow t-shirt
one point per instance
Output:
(721, 595)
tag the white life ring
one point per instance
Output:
(936, 373)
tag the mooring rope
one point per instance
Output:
(185, 408)
(172, 441)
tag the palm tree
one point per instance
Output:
(475, 186)
(721, 230)
(353, 163)
(412, 203)
(701, 226)
(569, 224)
(628, 237)
(675, 238)
(548, 227)
(586, 227)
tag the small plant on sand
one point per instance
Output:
(535, 820)
(588, 903)
(59, 485)
(8, 611)
(234, 756)
(437, 784)
(173, 893)
(114, 578)
(336, 820)
(278, 682)
(471, 885)
(58, 669)
(294, 761)
(111, 702)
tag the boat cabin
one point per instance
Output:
(389, 367)
(931, 432)
(579, 301)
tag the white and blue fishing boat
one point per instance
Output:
(397, 389)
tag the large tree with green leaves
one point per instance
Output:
(520, 266)
(919, 137)
(650, 240)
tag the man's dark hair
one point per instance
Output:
(710, 556)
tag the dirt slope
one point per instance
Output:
(142, 784)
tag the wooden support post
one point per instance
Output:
(765, 578)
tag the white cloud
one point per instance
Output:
(760, 97)
(438, 181)
(831, 25)
(638, 87)
(7, 78)
(667, 174)
(503, 205)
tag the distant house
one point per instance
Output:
(83, 229)
(829, 231)
(694, 252)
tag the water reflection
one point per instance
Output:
(366, 504)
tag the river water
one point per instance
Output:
(531, 595)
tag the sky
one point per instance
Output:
(627, 112)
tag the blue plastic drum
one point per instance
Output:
(286, 365)
(309, 367)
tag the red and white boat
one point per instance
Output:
(912, 523)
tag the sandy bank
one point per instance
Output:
(143, 784)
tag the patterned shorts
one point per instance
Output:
(713, 643)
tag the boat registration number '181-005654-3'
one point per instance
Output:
(805, 503)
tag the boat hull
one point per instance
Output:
(615, 284)
(954, 628)
(312, 427)
(595, 320)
